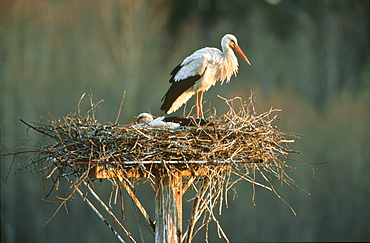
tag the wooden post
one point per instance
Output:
(168, 198)
(168, 207)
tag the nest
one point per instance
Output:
(233, 147)
(242, 136)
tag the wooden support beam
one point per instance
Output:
(102, 172)
(168, 207)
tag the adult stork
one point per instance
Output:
(199, 71)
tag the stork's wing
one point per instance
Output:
(176, 89)
(174, 71)
(193, 65)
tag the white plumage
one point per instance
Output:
(200, 71)
(146, 120)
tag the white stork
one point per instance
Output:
(146, 120)
(199, 71)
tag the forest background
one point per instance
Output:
(309, 58)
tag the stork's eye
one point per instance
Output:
(232, 43)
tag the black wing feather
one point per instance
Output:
(176, 89)
(174, 72)
(188, 121)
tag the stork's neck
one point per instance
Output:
(226, 50)
(228, 53)
(230, 63)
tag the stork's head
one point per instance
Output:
(230, 40)
(144, 118)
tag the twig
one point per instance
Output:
(120, 107)
(37, 129)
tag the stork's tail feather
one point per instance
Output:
(165, 106)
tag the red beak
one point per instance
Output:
(131, 123)
(241, 53)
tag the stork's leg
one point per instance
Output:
(197, 104)
(201, 104)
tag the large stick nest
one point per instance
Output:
(242, 136)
